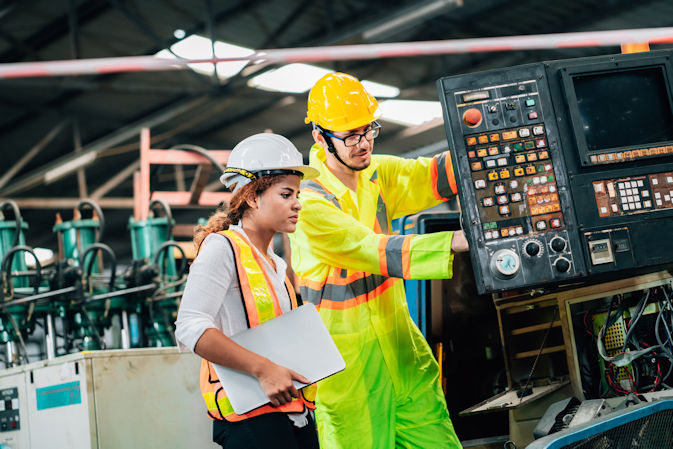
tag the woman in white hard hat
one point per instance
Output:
(236, 282)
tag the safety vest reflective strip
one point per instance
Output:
(339, 292)
(261, 304)
(443, 179)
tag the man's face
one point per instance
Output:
(356, 157)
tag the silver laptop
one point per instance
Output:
(297, 339)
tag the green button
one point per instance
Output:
(530, 102)
(529, 181)
(540, 168)
(517, 146)
(529, 145)
(550, 178)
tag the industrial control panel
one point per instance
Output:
(564, 169)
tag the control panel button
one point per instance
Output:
(532, 248)
(518, 171)
(476, 166)
(482, 152)
(530, 145)
(494, 137)
(471, 141)
(532, 115)
(482, 139)
(503, 199)
(487, 201)
(504, 210)
(524, 132)
(555, 223)
(531, 157)
(493, 151)
(499, 188)
(504, 174)
(562, 265)
(480, 184)
(530, 170)
(540, 143)
(493, 176)
(538, 130)
(530, 102)
(557, 244)
(505, 263)
(540, 225)
(490, 163)
(472, 117)
(516, 197)
(543, 155)
(509, 135)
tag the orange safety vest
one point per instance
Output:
(261, 304)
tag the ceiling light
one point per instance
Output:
(179, 34)
(292, 78)
(299, 78)
(199, 47)
(410, 112)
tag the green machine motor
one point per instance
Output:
(75, 239)
(11, 235)
(151, 244)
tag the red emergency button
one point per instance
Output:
(472, 117)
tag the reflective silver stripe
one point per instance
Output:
(312, 185)
(310, 295)
(339, 293)
(394, 256)
(443, 186)
(382, 215)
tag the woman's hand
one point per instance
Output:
(277, 383)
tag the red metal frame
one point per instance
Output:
(141, 179)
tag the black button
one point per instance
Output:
(495, 121)
(532, 248)
(558, 244)
(512, 119)
(562, 265)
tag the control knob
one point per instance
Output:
(562, 265)
(505, 263)
(557, 244)
(532, 248)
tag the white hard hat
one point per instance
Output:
(264, 154)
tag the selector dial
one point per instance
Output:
(532, 248)
(562, 265)
(557, 244)
(505, 263)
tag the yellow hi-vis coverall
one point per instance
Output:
(350, 266)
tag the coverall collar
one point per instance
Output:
(317, 157)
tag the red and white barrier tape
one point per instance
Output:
(343, 52)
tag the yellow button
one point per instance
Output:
(483, 139)
(494, 137)
(482, 152)
(493, 151)
(476, 166)
(520, 158)
(504, 232)
(504, 174)
(556, 207)
(509, 135)
(530, 170)
(543, 155)
(471, 140)
(492, 176)
(518, 171)
(531, 157)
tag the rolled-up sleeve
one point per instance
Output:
(210, 276)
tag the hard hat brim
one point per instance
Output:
(308, 172)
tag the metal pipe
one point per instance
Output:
(11, 355)
(50, 337)
(126, 336)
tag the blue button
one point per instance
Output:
(530, 102)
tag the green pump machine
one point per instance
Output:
(18, 317)
(152, 247)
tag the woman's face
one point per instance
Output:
(278, 206)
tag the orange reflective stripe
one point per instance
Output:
(433, 179)
(406, 258)
(383, 264)
(290, 291)
(450, 174)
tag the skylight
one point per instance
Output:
(410, 112)
(299, 78)
(199, 47)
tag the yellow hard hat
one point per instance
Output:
(339, 102)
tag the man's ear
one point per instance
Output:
(319, 138)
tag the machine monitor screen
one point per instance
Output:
(622, 115)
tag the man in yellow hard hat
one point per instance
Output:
(352, 267)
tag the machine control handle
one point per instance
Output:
(557, 244)
(562, 265)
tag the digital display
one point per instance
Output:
(622, 109)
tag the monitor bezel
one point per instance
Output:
(571, 71)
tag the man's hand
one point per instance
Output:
(459, 242)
